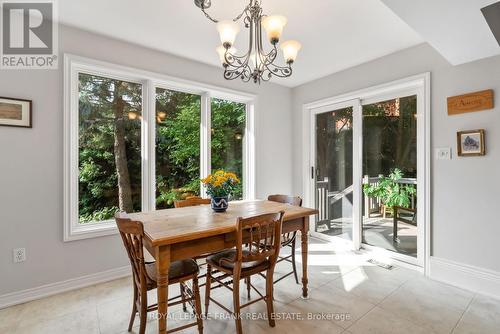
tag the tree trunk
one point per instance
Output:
(124, 190)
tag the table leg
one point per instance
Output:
(162, 257)
(303, 234)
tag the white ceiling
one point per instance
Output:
(335, 34)
(455, 28)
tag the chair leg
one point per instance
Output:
(197, 304)
(236, 304)
(134, 310)
(294, 266)
(248, 282)
(183, 296)
(269, 298)
(144, 312)
(208, 282)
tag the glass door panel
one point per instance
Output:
(334, 173)
(390, 175)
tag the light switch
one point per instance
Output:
(443, 153)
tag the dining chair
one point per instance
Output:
(258, 242)
(191, 201)
(144, 277)
(288, 239)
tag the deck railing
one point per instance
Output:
(322, 199)
(326, 198)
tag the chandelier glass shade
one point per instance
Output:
(257, 64)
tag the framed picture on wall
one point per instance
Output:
(15, 112)
(471, 143)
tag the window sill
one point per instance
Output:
(91, 230)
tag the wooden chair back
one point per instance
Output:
(292, 200)
(262, 237)
(191, 201)
(132, 234)
(287, 238)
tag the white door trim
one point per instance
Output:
(417, 84)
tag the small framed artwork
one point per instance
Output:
(471, 143)
(15, 112)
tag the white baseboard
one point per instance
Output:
(464, 276)
(58, 287)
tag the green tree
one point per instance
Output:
(109, 147)
(177, 146)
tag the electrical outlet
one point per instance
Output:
(19, 255)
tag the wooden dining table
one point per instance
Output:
(182, 233)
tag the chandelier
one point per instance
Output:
(256, 64)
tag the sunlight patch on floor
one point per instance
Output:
(355, 278)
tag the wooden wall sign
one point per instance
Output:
(470, 102)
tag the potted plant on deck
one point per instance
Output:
(220, 185)
(390, 192)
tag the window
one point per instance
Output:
(124, 153)
(227, 138)
(109, 150)
(178, 117)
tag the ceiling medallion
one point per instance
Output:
(256, 64)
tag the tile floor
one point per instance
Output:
(347, 295)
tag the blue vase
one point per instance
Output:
(220, 204)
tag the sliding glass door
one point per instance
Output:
(367, 161)
(390, 175)
(333, 171)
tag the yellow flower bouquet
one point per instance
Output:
(220, 185)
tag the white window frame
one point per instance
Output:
(73, 65)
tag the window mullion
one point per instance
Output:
(205, 139)
(249, 153)
(148, 147)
